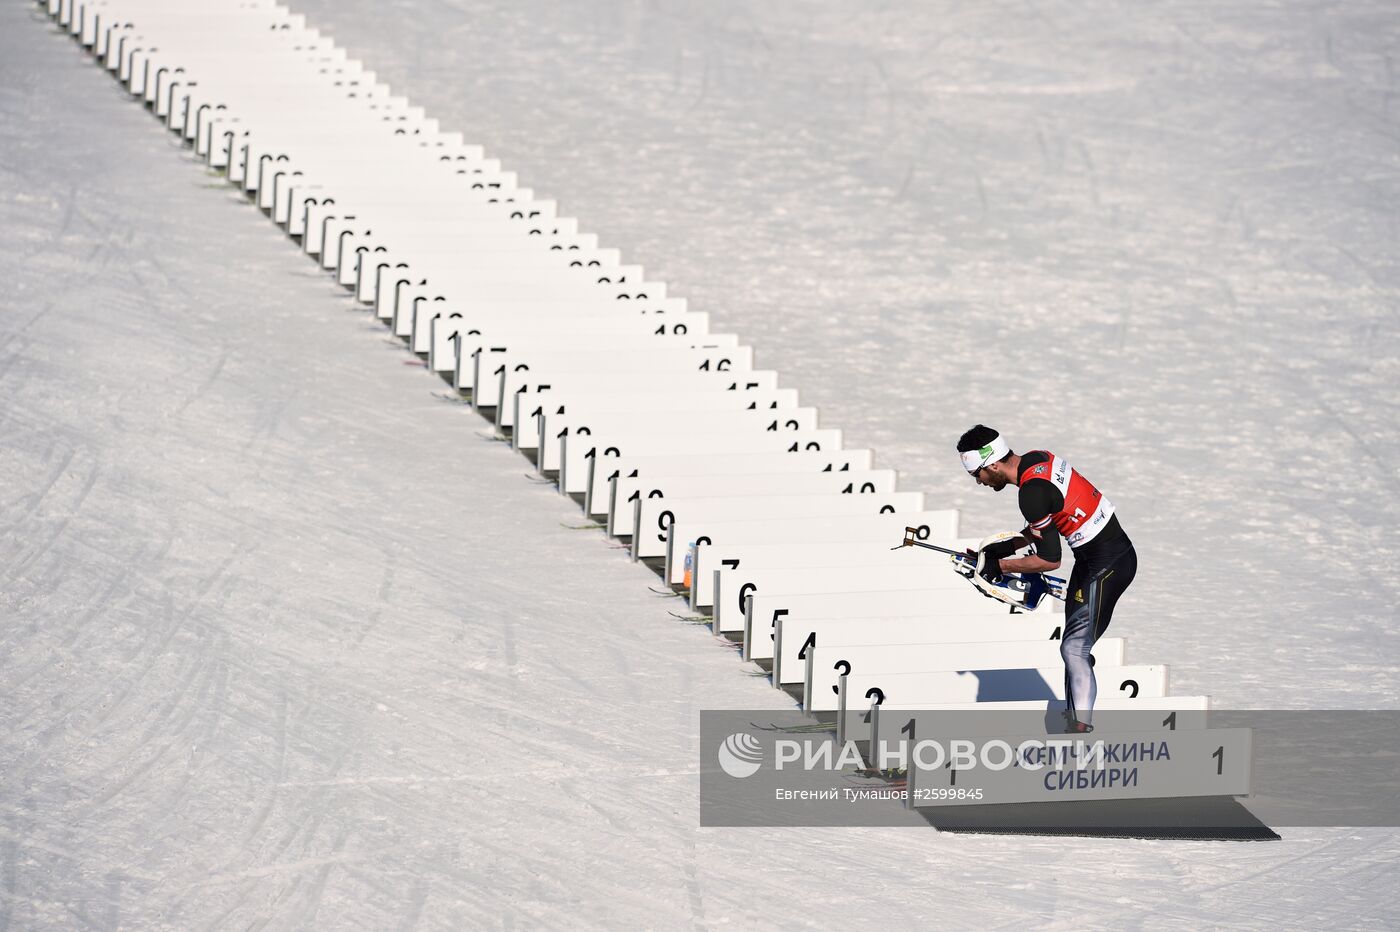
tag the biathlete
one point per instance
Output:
(1056, 501)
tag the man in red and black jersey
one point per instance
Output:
(1056, 502)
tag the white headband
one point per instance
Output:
(974, 460)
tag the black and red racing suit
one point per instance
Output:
(1056, 502)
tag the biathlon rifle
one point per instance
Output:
(1019, 590)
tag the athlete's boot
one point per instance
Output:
(1073, 726)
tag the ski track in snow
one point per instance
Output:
(286, 644)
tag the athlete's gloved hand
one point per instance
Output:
(991, 569)
(994, 554)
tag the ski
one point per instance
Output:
(889, 773)
(796, 729)
(894, 786)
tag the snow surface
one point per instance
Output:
(288, 643)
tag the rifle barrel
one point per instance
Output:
(952, 553)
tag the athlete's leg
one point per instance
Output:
(1112, 584)
(1090, 609)
(1076, 641)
